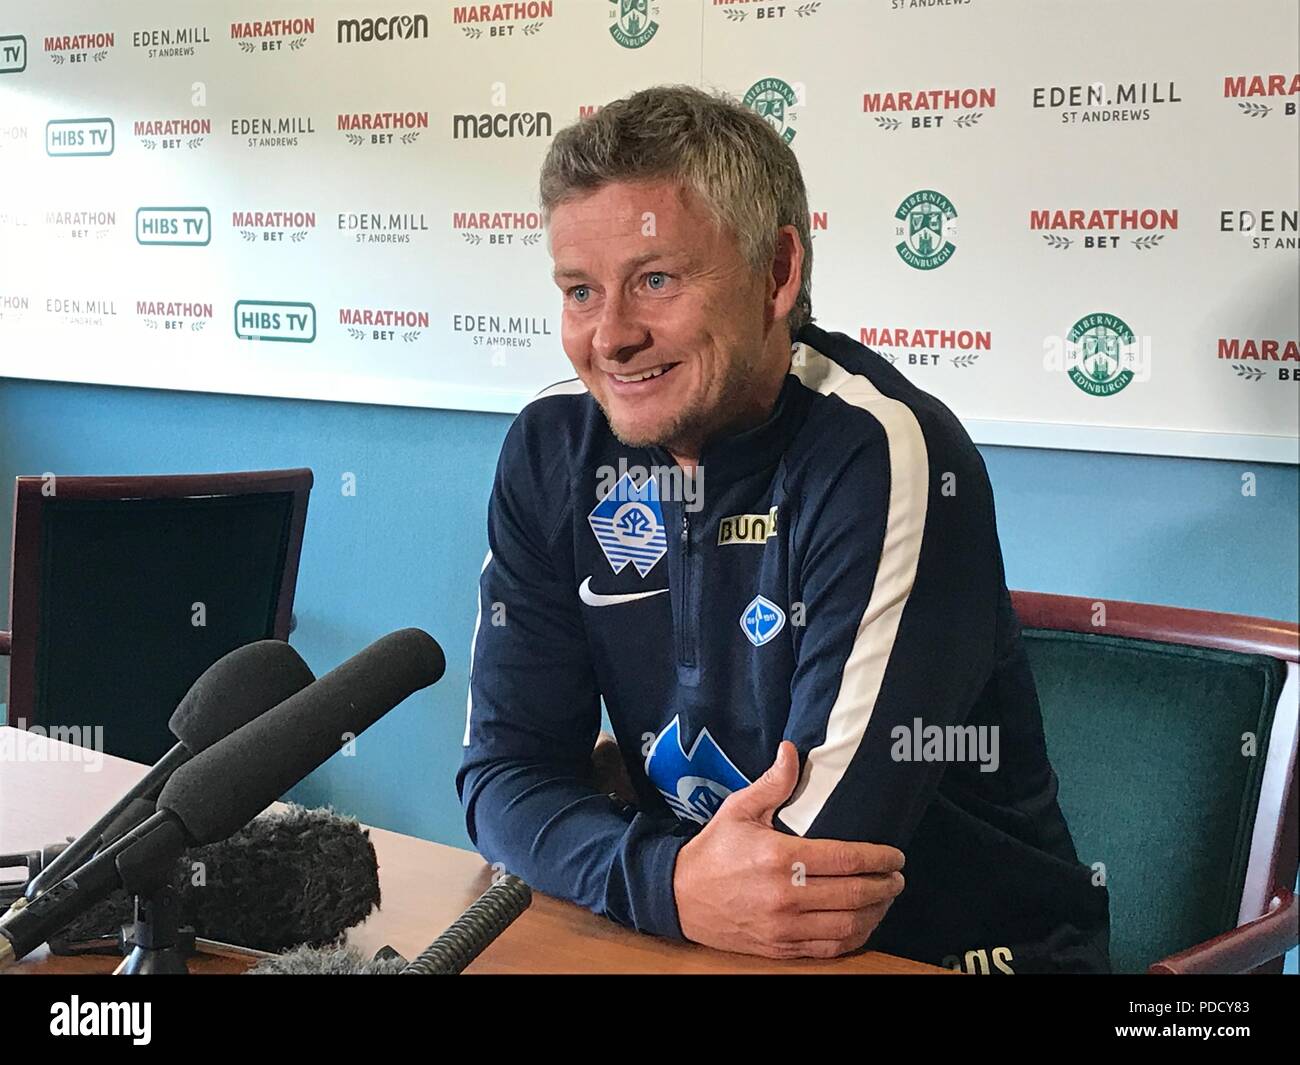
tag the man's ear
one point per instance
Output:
(787, 272)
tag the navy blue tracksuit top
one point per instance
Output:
(835, 579)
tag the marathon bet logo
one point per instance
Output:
(736, 11)
(79, 136)
(498, 21)
(170, 42)
(171, 133)
(272, 131)
(85, 223)
(382, 127)
(1247, 89)
(1097, 102)
(273, 227)
(14, 307)
(775, 101)
(1104, 227)
(1100, 354)
(927, 108)
(274, 35)
(633, 22)
(383, 323)
(285, 321)
(1267, 230)
(79, 48)
(498, 228)
(1246, 354)
(13, 53)
(927, 223)
(173, 315)
(173, 226)
(383, 28)
(924, 346)
(377, 227)
(500, 124)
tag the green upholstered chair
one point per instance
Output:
(125, 589)
(1173, 733)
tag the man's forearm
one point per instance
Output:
(564, 838)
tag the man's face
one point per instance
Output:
(663, 320)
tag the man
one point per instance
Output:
(775, 561)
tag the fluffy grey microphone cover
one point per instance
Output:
(289, 877)
(331, 961)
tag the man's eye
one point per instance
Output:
(656, 280)
(574, 293)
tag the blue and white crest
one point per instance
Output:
(629, 525)
(762, 620)
(694, 785)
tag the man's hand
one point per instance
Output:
(739, 884)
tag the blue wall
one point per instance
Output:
(406, 550)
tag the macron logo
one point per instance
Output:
(102, 1018)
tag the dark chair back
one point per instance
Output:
(125, 589)
(1163, 746)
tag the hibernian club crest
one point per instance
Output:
(774, 100)
(633, 26)
(927, 224)
(1100, 354)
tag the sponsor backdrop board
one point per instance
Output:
(1076, 223)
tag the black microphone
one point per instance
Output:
(469, 935)
(230, 783)
(223, 787)
(313, 873)
(229, 693)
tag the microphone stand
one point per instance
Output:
(156, 942)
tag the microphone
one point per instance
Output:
(223, 787)
(229, 693)
(226, 786)
(469, 935)
(314, 873)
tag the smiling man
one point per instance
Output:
(804, 639)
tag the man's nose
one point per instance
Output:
(619, 333)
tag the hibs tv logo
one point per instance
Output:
(633, 27)
(1100, 351)
(774, 100)
(927, 223)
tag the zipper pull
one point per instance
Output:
(686, 529)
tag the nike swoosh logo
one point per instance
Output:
(596, 599)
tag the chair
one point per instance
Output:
(1173, 733)
(125, 589)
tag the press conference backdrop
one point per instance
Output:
(1075, 222)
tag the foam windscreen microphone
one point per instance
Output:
(227, 785)
(232, 691)
(289, 877)
(221, 789)
(469, 935)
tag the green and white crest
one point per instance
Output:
(774, 100)
(1100, 354)
(927, 224)
(633, 26)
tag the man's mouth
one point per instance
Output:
(645, 375)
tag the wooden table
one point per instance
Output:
(55, 791)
